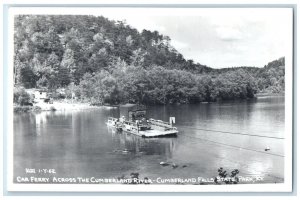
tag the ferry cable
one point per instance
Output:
(263, 136)
(204, 122)
(220, 143)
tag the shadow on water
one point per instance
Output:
(129, 143)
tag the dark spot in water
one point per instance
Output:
(174, 165)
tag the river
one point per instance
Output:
(232, 135)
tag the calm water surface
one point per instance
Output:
(79, 144)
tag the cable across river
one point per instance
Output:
(234, 133)
(234, 146)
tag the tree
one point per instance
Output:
(109, 61)
(21, 97)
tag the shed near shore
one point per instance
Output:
(132, 111)
(38, 94)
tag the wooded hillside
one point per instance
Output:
(105, 61)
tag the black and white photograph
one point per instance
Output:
(150, 99)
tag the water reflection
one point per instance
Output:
(40, 122)
(124, 142)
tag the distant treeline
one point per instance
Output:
(104, 61)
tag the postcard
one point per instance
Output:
(150, 99)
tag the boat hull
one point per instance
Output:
(155, 128)
(153, 133)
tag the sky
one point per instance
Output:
(217, 37)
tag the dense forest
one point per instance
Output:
(105, 61)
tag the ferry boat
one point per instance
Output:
(137, 124)
(114, 123)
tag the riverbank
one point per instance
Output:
(55, 106)
(67, 105)
(266, 94)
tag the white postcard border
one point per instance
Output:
(284, 187)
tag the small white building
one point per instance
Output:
(37, 94)
(41, 95)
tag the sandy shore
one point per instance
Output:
(60, 106)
